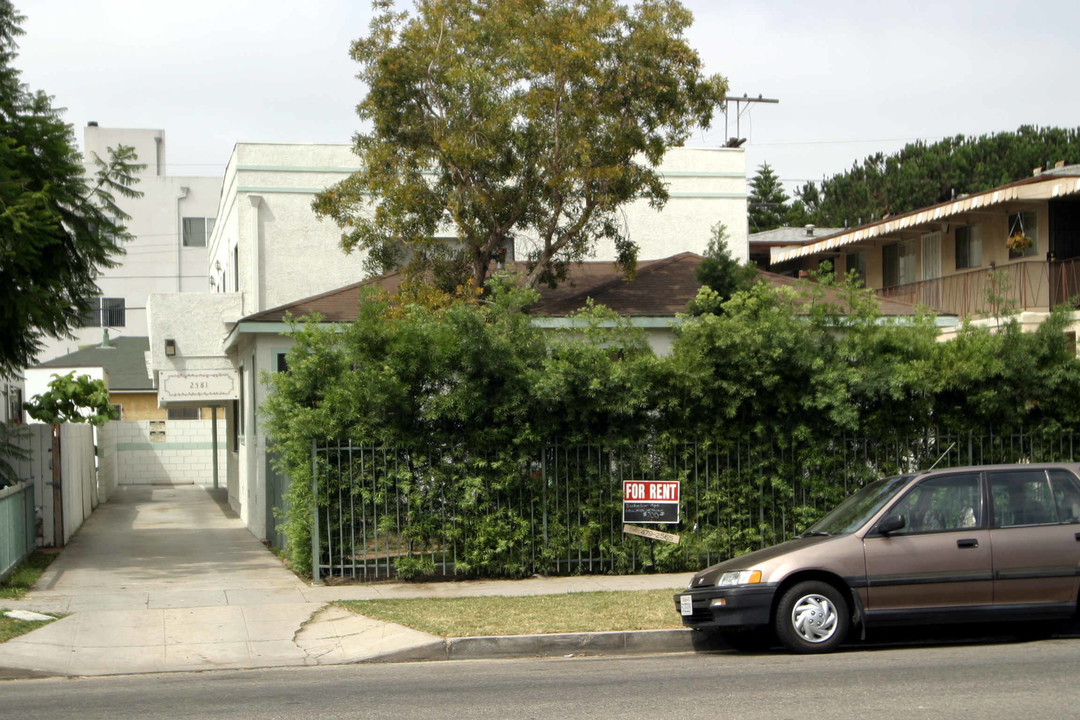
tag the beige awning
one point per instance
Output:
(1042, 187)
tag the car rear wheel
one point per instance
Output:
(812, 617)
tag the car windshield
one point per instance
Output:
(853, 513)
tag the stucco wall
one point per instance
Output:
(265, 213)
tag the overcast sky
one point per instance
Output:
(852, 78)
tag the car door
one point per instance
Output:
(1035, 537)
(940, 561)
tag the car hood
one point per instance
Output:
(757, 558)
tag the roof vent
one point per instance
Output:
(810, 230)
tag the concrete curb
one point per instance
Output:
(622, 642)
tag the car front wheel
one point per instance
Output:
(812, 617)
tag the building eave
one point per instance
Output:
(1040, 188)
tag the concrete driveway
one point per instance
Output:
(164, 578)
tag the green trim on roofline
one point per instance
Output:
(708, 196)
(703, 174)
(262, 190)
(255, 190)
(296, 169)
(350, 170)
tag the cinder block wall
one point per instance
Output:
(175, 452)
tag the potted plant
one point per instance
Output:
(1018, 241)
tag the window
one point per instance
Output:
(235, 428)
(1022, 497)
(105, 312)
(1066, 496)
(197, 230)
(898, 263)
(952, 502)
(15, 405)
(968, 246)
(183, 413)
(119, 410)
(240, 404)
(1027, 224)
(856, 262)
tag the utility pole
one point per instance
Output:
(736, 140)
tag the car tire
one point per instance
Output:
(812, 617)
(753, 640)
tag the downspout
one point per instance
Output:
(159, 153)
(256, 245)
(179, 234)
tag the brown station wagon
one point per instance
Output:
(994, 542)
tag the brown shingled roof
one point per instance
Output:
(661, 288)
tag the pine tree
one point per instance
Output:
(767, 203)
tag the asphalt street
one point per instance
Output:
(980, 679)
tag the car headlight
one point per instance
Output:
(739, 577)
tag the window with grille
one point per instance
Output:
(183, 413)
(106, 312)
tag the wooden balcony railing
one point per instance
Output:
(1024, 285)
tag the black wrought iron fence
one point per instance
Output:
(383, 513)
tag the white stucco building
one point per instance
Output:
(170, 224)
(268, 249)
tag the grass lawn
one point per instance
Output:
(23, 577)
(12, 628)
(533, 615)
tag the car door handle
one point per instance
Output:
(968, 543)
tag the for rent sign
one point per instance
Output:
(651, 501)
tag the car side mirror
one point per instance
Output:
(891, 523)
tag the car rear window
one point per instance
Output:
(1066, 495)
(1022, 497)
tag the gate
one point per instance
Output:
(276, 485)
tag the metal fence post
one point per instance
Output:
(314, 517)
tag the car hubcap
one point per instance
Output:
(814, 618)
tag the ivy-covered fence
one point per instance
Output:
(383, 513)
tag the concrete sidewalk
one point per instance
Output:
(166, 578)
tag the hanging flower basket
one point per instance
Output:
(1019, 241)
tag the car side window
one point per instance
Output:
(1022, 497)
(949, 502)
(1066, 495)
